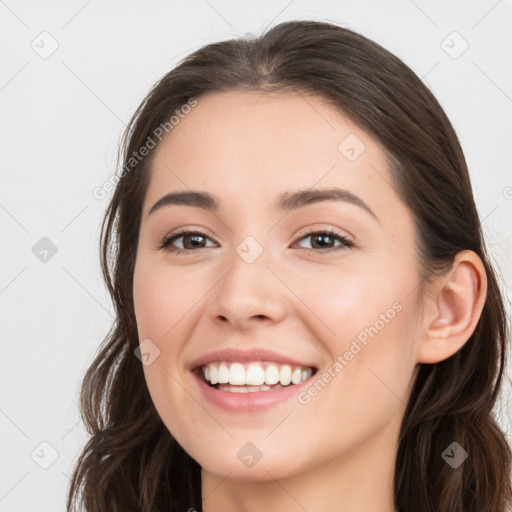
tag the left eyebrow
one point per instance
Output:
(299, 198)
(287, 201)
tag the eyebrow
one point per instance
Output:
(287, 201)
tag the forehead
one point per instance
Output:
(251, 146)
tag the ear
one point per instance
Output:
(452, 309)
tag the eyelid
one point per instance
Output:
(319, 227)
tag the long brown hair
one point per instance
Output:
(131, 461)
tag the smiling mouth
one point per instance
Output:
(236, 377)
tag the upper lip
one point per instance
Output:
(247, 355)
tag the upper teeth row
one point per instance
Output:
(255, 374)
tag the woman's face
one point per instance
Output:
(264, 276)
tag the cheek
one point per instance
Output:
(159, 304)
(366, 324)
(347, 301)
(365, 389)
(160, 299)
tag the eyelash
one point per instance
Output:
(345, 242)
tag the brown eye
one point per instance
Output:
(191, 240)
(322, 241)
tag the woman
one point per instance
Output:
(307, 318)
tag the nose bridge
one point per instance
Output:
(249, 289)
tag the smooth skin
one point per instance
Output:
(337, 452)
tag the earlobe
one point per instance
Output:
(455, 307)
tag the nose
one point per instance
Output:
(249, 295)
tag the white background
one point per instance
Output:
(61, 120)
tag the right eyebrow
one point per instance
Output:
(202, 200)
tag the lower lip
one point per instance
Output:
(248, 402)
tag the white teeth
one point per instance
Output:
(285, 375)
(237, 374)
(255, 376)
(296, 376)
(271, 374)
(246, 389)
(223, 374)
(213, 374)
